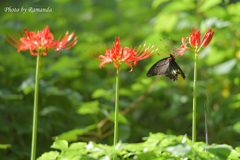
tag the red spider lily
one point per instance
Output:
(195, 41)
(117, 54)
(42, 40)
(207, 37)
(194, 38)
(173, 49)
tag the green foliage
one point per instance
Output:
(76, 97)
(156, 146)
(4, 146)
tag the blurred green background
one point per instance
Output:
(76, 97)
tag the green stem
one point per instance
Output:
(35, 110)
(194, 100)
(116, 110)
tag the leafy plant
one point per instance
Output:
(155, 147)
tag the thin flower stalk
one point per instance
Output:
(194, 40)
(117, 54)
(38, 44)
(196, 45)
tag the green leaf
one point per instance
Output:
(4, 146)
(177, 6)
(121, 118)
(125, 92)
(61, 1)
(236, 127)
(89, 107)
(222, 151)
(50, 109)
(52, 155)
(66, 67)
(165, 22)
(234, 155)
(237, 149)
(99, 93)
(124, 132)
(27, 86)
(154, 138)
(88, 158)
(179, 150)
(72, 135)
(146, 156)
(105, 158)
(216, 55)
(77, 145)
(233, 9)
(135, 147)
(157, 3)
(217, 11)
(60, 144)
(208, 4)
(225, 67)
(137, 86)
(70, 155)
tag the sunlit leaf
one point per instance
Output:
(207, 5)
(221, 151)
(60, 144)
(179, 150)
(177, 6)
(225, 67)
(234, 8)
(72, 135)
(236, 127)
(52, 155)
(165, 22)
(156, 3)
(98, 93)
(89, 107)
(121, 118)
(4, 146)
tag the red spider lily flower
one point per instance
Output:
(195, 41)
(194, 38)
(207, 37)
(173, 49)
(42, 40)
(117, 54)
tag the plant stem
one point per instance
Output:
(116, 110)
(194, 100)
(35, 110)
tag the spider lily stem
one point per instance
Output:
(35, 109)
(194, 100)
(116, 109)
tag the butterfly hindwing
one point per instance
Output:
(178, 69)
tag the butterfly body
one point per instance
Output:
(167, 67)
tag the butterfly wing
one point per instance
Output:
(173, 70)
(168, 67)
(178, 69)
(159, 68)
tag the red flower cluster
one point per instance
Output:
(117, 54)
(194, 41)
(194, 38)
(42, 40)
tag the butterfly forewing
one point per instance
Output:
(159, 68)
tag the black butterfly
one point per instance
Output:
(167, 67)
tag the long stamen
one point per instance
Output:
(173, 43)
